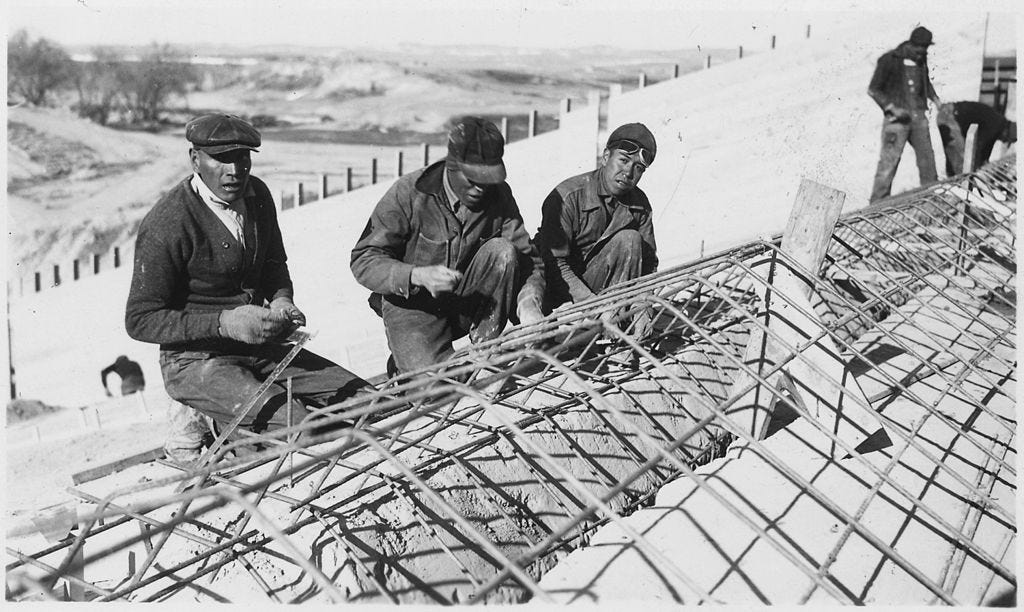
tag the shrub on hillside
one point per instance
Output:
(21, 410)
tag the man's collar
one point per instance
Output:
(598, 194)
(453, 198)
(207, 195)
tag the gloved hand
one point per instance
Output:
(529, 312)
(895, 114)
(438, 280)
(252, 324)
(286, 306)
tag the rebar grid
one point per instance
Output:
(469, 480)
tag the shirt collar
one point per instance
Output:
(448, 191)
(207, 196)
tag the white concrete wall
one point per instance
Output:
(734, 141)
(63, 336)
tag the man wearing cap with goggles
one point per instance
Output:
(445, 252)
(596, 229)
(901, 87)
(211, 286)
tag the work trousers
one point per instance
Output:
(952, 141)
(618, 260)
(895, 135)
(420, 330)
(219, 385)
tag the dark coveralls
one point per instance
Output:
(591, 240)
(128, 371)
(992, 126)
(414, 225)
(902, 88)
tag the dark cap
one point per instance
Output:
(477, 146)
(217, 133)
(921, 36)
(636, 133)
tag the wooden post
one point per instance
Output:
(641, 80)
(398, 164)
(298, 194)
(117, 257)
(348, 179)
(39, 282)
(969, 140)
(76, 273)
(739, 54)
(373, 171)
(531, 128)
(56, 275)
(773, 41)
(504, 128)
(323, 186)
(426, 154)
(707, 62)
(808, 31)
(675, 71)
(788, 313)
(95, 263)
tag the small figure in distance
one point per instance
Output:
(130, 373)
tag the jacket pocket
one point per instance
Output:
(429, 252)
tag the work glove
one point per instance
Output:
(287, 307)
(895, 114)
(529, 312)
(252, 324)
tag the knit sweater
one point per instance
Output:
(189, 268)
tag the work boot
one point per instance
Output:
(186, 458)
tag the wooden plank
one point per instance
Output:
(817, 379)
(117, 466)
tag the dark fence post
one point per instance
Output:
(373, 171)
(56, 275)
(95, 263)
(348, 179)
(117, 257)
(531, 128)
(426, 154)
(399, 170)
(76, 273)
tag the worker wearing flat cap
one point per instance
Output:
(596, 228)
(446, 255)
(211, 286)
(902, 88)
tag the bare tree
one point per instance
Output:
(160, 73)
(35, 69)
(98, 85)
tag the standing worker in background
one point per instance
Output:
(901, 88)
(211, 286)
(446, 255)
(955, 119)
(128, 371)
(596, 230)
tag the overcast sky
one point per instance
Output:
(648, 24)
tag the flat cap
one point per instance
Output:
(217, 133)
(921, 36)
(477, 146)
(637, 134)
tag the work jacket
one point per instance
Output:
(413, 225)
(889, 83)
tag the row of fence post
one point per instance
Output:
(299, 198)
(76, 270)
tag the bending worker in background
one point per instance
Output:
(130, 373)
(446, 255)
(901, 87)
(596, 229)
(955, 119)
(211, 286)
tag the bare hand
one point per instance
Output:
(435, 279)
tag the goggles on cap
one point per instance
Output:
(630, 147)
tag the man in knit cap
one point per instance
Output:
(596, 229)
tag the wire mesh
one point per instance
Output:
(469, 481)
